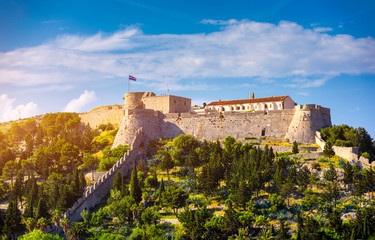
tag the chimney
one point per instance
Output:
(252, 95)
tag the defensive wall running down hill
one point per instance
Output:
(298, 124)
(102, 186)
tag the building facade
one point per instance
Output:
(252, 104)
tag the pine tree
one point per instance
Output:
(295, 148)
(135, 190)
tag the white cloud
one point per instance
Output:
(219, 22)
(284, 52)
(322, 29)
(77, 104)
(8, 112)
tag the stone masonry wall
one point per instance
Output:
(103, 115)
(102, 186)
(298, 124)
(239, 125)
(306, 121)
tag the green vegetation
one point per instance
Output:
(42, 165)
(183, 189)
(345, 136)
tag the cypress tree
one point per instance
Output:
(82, 182)
(135, 190)
(328, 150)
(117, 182)
(12, 223)
(42, 210)
(62, 202)
(295, 148)
(31, 199)
(167, 163)
(76, 185)
(18, 187)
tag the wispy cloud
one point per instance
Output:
(219, 22)
(10, 112)
(63, 28)
(77, 104)
(322, 29)
(284, 52)
(49, 21)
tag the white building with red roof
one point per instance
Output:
(252, 104)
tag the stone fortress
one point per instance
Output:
(168, 116)
(144, 117)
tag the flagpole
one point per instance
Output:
(128, 85)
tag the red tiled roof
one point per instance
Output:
(243, 101)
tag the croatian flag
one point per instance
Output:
(132, 78)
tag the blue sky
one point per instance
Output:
(76, 55)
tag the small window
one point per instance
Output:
(263, 132)
(232, 108)
(238, 108)
(243, 107)
(248, 107)
(223, 109)
(174, 101)
(185, 103)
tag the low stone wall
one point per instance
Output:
(348, 153)
(289, 149)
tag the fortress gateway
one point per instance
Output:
(168, 116)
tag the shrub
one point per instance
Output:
(250, 138)
(366, 155)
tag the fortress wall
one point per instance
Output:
(306, 121)
(158, 103)
(238, 125)
(179, 104)
(103, 115)
(103, 185)
(298, 124)
(149, 120)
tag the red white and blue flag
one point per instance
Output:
(132, 78)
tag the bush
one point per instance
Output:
(106, 163)
(37, 234)
(250, 138)
(366, 155)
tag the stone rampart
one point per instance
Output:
(103, 185)
(298, 124)
(306, 121)
(103, 115)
